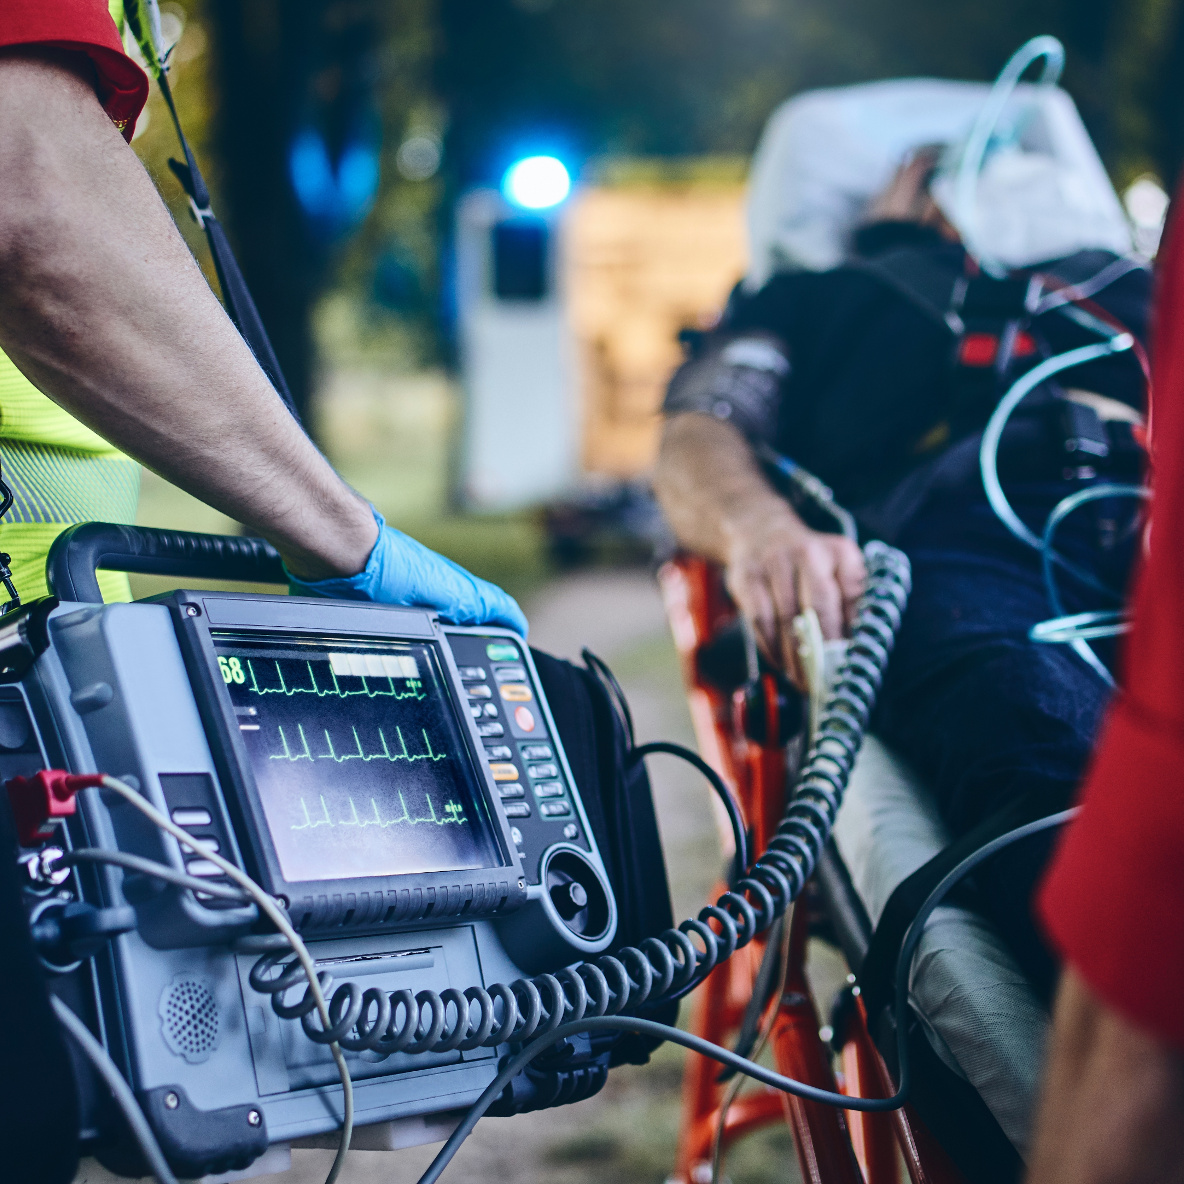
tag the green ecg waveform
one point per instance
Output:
(454, 813)
(304, 753)
(414, 687)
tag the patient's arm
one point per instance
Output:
(720, 506)
(1113, 1108)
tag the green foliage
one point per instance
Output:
(674, 77)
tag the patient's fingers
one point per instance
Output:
(784, 592)
(748, 589)
(818, 587)
(852, 576)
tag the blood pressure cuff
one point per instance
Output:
(38, 1097)
(738, 380)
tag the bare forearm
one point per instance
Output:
(710, 485)
(105, 310)
(1113, 1106)
(721, 506)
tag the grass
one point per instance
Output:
(390, 436)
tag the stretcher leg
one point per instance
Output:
(833, 1146)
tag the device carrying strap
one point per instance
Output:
(877, 974)
(144, 21)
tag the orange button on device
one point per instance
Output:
(516, 692)
(503, 772)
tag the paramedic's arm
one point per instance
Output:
(103, 307)
(720, 506)
(1113, 1109)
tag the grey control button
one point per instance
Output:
(203, 868)
(548, 789)
(571, 831)
(475, 710)
(537, 752)
(480, 690)
(469, 673)
(490, 729)
(192, 816)
(554, 809)
(511, 789)
(517, 810)
(499, 752)
(510, 673)
(543, 770)
(516, 835)
(489, 709)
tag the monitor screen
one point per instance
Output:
(358, 756)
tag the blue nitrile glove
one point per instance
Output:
(403, 572)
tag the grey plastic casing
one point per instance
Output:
(113, 694)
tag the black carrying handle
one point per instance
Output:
(77, 553)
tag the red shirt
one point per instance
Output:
(86, 26)
(1113, 901)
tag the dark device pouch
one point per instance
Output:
(597, 733)
(596, 729)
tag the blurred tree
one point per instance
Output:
(690, 76)
(329, 116)
(299, 125)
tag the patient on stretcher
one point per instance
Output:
(878, 375)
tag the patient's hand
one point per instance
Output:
(721, 506)
(776, 567)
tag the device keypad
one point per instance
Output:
(190, 800)
(530, 783)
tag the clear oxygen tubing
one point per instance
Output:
(725, 1056)
(1079, 629)
(975, 151)
(661, 967)
(989, 448)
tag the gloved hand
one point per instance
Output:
(401, 571)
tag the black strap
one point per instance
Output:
(235, 295)
(877, 976)
(927, 282)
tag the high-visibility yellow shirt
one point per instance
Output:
(59, 471)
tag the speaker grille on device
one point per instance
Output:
(189, 1018)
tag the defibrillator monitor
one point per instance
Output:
(379, 769)
(361, 765)
(396, 784)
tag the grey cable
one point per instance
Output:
(126, 1100)
(149, 867)
(726, 1056)
(280, 920)
(660, 967)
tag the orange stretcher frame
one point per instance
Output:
(833, 1146)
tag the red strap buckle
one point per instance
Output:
(978, 350)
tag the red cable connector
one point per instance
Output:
(38, 802)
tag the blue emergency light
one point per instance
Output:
(537, 183)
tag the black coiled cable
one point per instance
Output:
(659, 968)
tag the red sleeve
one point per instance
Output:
(1113, 901)
(83, 25)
